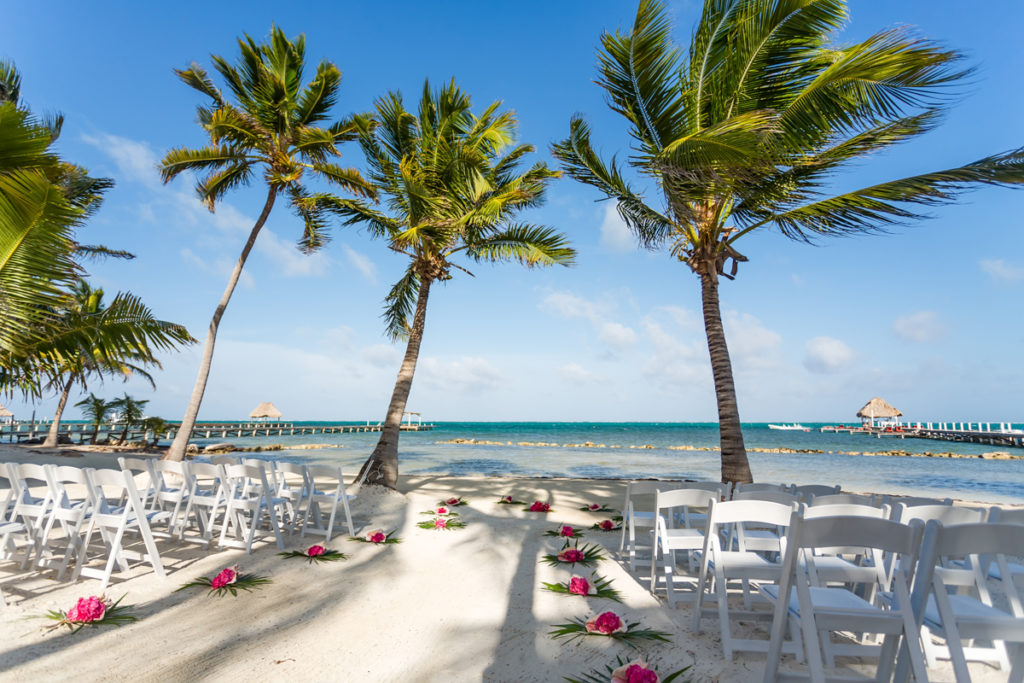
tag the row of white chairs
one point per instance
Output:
(717, 539)
(230, 500)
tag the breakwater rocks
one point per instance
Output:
(232, 448)
(995, 455)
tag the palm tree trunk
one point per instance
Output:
(381, 469)
(51, 437)
(95, 432)
(177, 449)
(735, 467)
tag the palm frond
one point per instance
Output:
(196, 77)
(399, 304)
(203, 159)
(530, 245)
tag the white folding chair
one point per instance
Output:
(761, 536)
(9, 532)
(759, 486)
(806, 491)
(206, 498)
(7, 494)
(250, 503)
(327, 492)
(143, 471)
(819, 609)
(30, 508)
(843, 499)
(673, 532)
(173, 483)
(107, 488)
(70, 510)
(634, 518)
(720, 565)
(943, 608)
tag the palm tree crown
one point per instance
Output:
(452, 185)
(271, 126)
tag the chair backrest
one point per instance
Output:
(806, 491)
(224, 460)
(841, 499)
(61, 475)
(846, 510)
(946, 514)
(107, 490)
(1007, 515)
(644, 488)
(914, 501)
(780, 497)
(759, 511)
(723, 489)
(246, 480)
(7, 494)
(759, 486)
(333, 474)
(28, 476)
(695, 498)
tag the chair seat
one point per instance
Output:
(834, 568)
(964, 608)
(834, 600)
(745, 565)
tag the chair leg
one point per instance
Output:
(722, 600)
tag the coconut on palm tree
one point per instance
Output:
(273, 128)
(453, 188)
(747, 130)
(128, 330)
(95, 410)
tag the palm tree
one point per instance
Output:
(452, 188)
(158, 426)
(130, 412)
(135, 332)
(749, 129)
(271, 127)
(95, 410)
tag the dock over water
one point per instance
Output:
(992, 434)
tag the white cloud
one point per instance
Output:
(468, 375)
(574, 373)
(617, 336)
(361, 263)
(751, 344)
(1001, 270)
(680, 357)
(827, 355)
(382, 355)
(615, 235)
(922, 327)
(288, 259)
(221, 266)
(135, 160)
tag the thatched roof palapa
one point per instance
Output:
(876, 408)
(5, 413)
(265, 410)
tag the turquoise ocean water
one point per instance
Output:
(644, 451)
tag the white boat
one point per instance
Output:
(795, 427)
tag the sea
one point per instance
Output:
(621, 450)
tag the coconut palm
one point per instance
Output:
(129, 412)
(452, 186)
(747, 131)
(95, 410)
(271, 128)
(137, 335)
(158, 426)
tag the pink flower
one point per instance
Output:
(540, 507)
(634, 672)
(594, 506)
(567, 531)
(376, 536)
(316, 550)
(442, 511)
(571, 555)
(452, 501)
(440, 523)
(606, 623)
(580, 586)
(607, 525)
(507, 499)
(226, 577)
(87, 610)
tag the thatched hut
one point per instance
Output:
(877, 411)
(265, 411)
(6, 415)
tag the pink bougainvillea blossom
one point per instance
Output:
(580, 586)
(606, 623)
(567, 531)
(316, 550)
(452, 501)
(607, 525)
(226, 577)
(440, 523)
(376, 536)
(571, 555)
(594, 506)
(87, 610)
(540, 507)
(634, 672)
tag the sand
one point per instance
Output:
(463, 605)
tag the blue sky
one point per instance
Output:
(929, 318)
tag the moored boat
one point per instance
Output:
(795, 427)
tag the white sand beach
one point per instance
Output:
(464, 605)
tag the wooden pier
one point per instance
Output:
(24, 431)
(992, 434)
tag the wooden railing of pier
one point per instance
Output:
(964, 432)
(25, 431)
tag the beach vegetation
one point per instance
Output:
(272, 127)
(749, 129)
(129, 413)
(452, 188)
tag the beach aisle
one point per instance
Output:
(457, 605)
